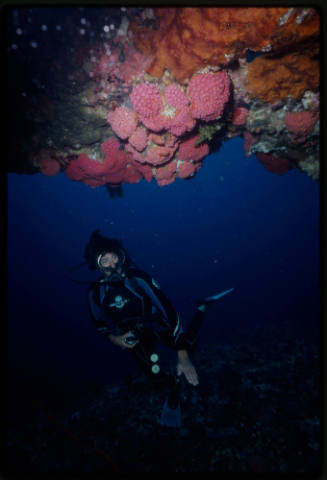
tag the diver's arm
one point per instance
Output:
(184, 364)
(175, 331)
(98, 316)
(174, 324)
(120, 340)
(174, 328)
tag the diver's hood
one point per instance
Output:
(98, 245)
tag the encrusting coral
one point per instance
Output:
(271, 79)
(186, 39)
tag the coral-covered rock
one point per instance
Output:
(131, 174)
(185, 169)
(179, 119)
(110, 146)
(106, 65)
(95, 173)
(310, 165)
(181, 123)
(175, 97)
(138, 139)
(133, 66)
(209, 92)
(249, 140)
(82, 168)
(123, 121)
(301, 123)
(189, 152)
(273, 164)
(156, 123)
(146, 100)
(220, 72)
(115, 158)
(187, 39)
(171, 140)
(157, 139)
(144, 169)
(274, 78)
(114, 178)
(136, 155)
(49, 166)
(166, 174)
(159, 155)
(240, 115)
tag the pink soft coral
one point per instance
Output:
(96, 173)
(138, 139)
(166, 174)
(249, 140)
(240, 115)
(175, 97)
(186, 169)
(274, 164)
(158, 155)
(146, 100)
(301, 123)
(188, 151)
(49, 166)
(209, 93)
(123, 121)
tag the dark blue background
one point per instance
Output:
(233, 225)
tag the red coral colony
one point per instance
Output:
(146, 97)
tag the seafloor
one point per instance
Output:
(256, 409)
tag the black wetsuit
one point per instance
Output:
(138, 304)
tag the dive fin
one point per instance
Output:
(171, 417)
(201, 304)
(217, 296)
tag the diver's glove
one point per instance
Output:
(131, 339)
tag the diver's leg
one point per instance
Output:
(193, 329)
(147, 360)
(171, 411)
(145, 355)
(192, 332)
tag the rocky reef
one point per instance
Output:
(256, 410)
(147, 93)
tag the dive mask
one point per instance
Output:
(113, 276)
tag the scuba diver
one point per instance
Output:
(128, 307)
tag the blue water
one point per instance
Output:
(233, 225)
